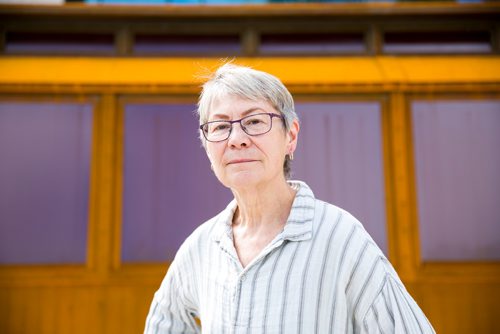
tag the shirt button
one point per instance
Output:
(243, 277)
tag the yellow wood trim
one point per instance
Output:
(186, 72)
(118, 171)
(20, 90)
(152, 274)
(11, 273)
(459, 271)
(403, 226)
(413, 237)
(93, 190)
(391, 232)
(102, 185)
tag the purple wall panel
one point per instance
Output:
(187, 45)
(421, 42)
(44, 182)
(340, 156)
(340, 43)
(169, 188)
(59, 43)
(437, 48)
(458, 181)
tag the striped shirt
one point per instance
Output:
(322, 274)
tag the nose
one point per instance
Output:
(238, 138)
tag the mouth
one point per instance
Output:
(240, 161)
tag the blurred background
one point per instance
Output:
(102, 175)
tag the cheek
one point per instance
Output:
(275, 155)
(214, 155)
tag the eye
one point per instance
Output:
(253, 121)
(219, 127)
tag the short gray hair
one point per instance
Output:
(247, 83)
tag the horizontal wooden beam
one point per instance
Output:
(189, 72)
(261, 10)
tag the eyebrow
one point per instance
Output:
(243, 114)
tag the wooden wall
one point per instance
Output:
(106, 296)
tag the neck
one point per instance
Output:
(263, 207)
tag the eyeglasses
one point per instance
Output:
(253, 125)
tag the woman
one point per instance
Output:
(276, 260)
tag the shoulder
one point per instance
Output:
(342, 224)
(363, 269)
(361, 264)
(393, 310)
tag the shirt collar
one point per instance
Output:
(299, 225)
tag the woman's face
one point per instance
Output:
(244, 161)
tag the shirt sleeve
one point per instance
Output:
(170, 311)
(395, 311)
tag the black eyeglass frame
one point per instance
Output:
(272, 115)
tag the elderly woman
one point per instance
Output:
(276, 260)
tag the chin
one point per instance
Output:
(243, 179)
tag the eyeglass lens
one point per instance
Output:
(253, 125)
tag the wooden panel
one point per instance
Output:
(292, 71)
(74, 309)
(106, 297)
(458, 307)
(452, 307)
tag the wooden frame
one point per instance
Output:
(133, 270)
(251, 21)
(46, 274)
(393, 90)
(431, 271)
(114, 296)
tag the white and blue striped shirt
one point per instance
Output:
(322, 274)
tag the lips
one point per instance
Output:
(240, 161)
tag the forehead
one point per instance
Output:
(232, 106)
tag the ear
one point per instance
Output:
(293, 135)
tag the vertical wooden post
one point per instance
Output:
(374, 40)
(123, 42)
(406, 243)
(250, 43)
(495, 39)
(102, 189)
(3, 40)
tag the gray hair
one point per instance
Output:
(247, 83)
